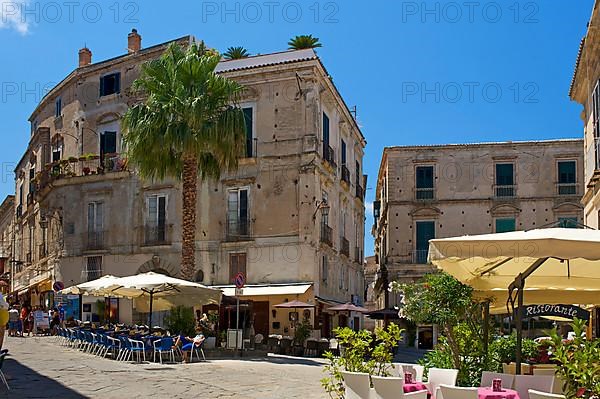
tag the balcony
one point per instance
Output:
(73, 167)
(566, 189)
(155, 234)
(94, 240)
(329, 155)
(326, 235)
(344, 246)
(43, 251)
(237, 229)
(592, 162)
(345, 174)
(90, 274)
(505, 191)
(358, 255)
(424, 194)
(360, 192)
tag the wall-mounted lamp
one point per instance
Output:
(322, 206)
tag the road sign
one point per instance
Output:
(239, 291)
(239, 280)
(58, 285)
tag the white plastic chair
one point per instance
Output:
(358, 385)
(523, 383)
(439, 377)
(393, 388)
(415, 369)
(543, 395)
(488, 377)
(452, 392)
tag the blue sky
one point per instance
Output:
(420, 72)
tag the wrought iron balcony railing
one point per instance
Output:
(326, 235)
(94, 240)
(237, 229)
(344, 246)
(155, 234)
(345, 174)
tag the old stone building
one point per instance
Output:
(291, 218)
(7, 215)
(585, 89)
(438, 191)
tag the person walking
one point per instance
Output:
(3, 318)
(13, 321)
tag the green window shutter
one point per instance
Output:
(505, 174)
(505, 225)
(249, 134)
(425, 232)
(424, 176)
(569, 222)
(566, 172)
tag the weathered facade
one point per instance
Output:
(7, 215)
(292, 213)
(585, 89)
(438, 191)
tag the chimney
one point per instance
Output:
(85, 57)
(134, 42)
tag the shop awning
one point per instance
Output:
(266, 289)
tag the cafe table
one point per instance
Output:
(489, 393)
(416, 386)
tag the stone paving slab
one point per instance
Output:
(38, 367)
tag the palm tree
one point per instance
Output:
(189, 125)
(235, 53)
(304, 41)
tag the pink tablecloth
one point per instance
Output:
(416, 386)
(488, 393)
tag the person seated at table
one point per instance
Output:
(188, 344)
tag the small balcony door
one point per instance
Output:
(95, 225)
(425, 232)
(156, 219)
(237, 264)
(237, 212)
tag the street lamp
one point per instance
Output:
(322, 206)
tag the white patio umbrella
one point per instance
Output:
(547, 259)
(95, 287)
(154, 291)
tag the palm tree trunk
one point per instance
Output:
(188, 234)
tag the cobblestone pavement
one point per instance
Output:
(38, 367)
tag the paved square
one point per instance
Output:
(40, 368)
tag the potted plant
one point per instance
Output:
(223, 339)
(73, 159)
(301, 333)
(86, 171)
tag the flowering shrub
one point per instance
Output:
(578, 362)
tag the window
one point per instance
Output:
(237, 264)
(249, 118)
(237, 212)
(156, 219)
(108, 143)
(505, 180)
(110, 84)
(343, 152)
(505, 225)
(568, 222)
(596, 109)
(93, 268)
(424, 182)
(567, 178)
(342, 278)
(325, 269)
(95, 216)
(328, 154)
(58, 108)
(425, 232)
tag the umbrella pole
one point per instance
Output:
(519, 321)
(150, 316)
(486, 330)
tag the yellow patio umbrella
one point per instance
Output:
(558, 259)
